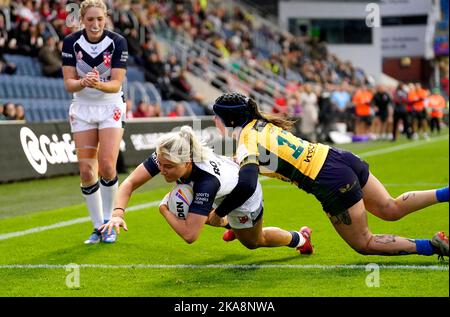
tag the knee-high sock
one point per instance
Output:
(94, 203)
(108, 189)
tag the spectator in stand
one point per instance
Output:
(26, 11)
(142, 110)
(280, 103)
(129, 109)
(154, 67)
(20, 112)
(178, 111)
(5, 66)
(50, 58)
(157, 109)
(36, 40)
(20, 39)
(436, 104)
(134, 47)
(10, 111)
(2, 109)
(400, 100)
(182, 89)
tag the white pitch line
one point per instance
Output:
(385, 185)
(229, 266)
(401, 147)
(9, 235)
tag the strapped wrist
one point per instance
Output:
(118, 212)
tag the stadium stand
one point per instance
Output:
(224, 46)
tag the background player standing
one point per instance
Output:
(94, 67)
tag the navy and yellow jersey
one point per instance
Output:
(280, 154)
(109, 52)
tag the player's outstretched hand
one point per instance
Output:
(114, 222)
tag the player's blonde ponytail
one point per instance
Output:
(183, 146)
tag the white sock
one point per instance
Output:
(301, 241)
(94, 203)
(108, 189)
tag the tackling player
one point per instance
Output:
(340, 180)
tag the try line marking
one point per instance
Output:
(229, 266)
(10, 235)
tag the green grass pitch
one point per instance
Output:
(151, 260)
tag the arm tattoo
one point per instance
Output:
(384, 238)
(407, 195)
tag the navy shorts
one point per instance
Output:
(339, 184)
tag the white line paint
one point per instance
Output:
(433, 185)
(401, 147)
(9, 235)
(228, 266)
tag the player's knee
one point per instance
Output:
(363, 247)
(107, 169)
(390, 210)
(250, 244)
(391, 216)
(87, 173)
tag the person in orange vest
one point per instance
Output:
(362, 100)
(436, 104)
(417, 97)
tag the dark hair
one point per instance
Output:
(236, 110)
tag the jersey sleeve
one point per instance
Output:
(68, 53)
(247, 149)
(152, 164)
(205, 191)
(120, 55)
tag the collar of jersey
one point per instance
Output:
(87, 39)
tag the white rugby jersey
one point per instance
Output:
(212, 180)
(109, 52)
(227, 172)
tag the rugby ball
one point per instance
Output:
(180, 199)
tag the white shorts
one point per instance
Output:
(245, 216)
(84, 117)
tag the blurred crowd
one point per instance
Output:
(11, 111)
(315, 85)
(370, 113)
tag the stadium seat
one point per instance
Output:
(135, 74)
(167, 106)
